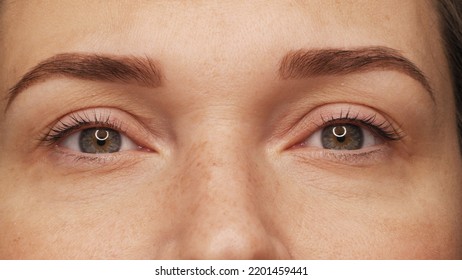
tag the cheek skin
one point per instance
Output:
(39, 224)
(408, 214)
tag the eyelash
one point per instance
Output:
(383, 129)
(79, 121)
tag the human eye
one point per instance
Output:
(349, 134)
(98, 140)
(93, 133)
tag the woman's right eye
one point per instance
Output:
(98, 140)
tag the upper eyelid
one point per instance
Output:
(76, 119)
(115, 118)
(384, 129)
(305, 125)
(67, 129)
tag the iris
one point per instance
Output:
(342, 137)
(99, 140)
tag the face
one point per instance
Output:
(308, 130)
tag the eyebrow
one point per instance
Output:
(141, 71)
(144, 71)
(302, 63)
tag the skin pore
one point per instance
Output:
(224, 153)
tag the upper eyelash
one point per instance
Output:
(78, 121)
(383, 129)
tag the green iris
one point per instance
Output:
(99, 141)
(342, 137)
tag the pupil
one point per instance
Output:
(101, 142)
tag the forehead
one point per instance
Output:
(313, 20)
(215, 33)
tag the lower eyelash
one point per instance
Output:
(353, 159)
(89, 161)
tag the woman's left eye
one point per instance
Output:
(99, 140)
(342, 137)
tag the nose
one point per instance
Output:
(224, 218)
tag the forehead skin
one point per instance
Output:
(221, 32)
(223, 54)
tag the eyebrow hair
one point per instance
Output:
(302, 63)
(95, 67)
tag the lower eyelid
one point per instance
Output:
(366, 157)
(76, 161)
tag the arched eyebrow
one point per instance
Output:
(303, 63)
(141, 71)
(144, 71)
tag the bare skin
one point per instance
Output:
(222, 158)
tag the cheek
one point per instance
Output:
(421, 236)
(55, 219)
(418, 217)
(409, 214)
(400, 233)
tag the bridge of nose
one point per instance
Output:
(222, 185)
